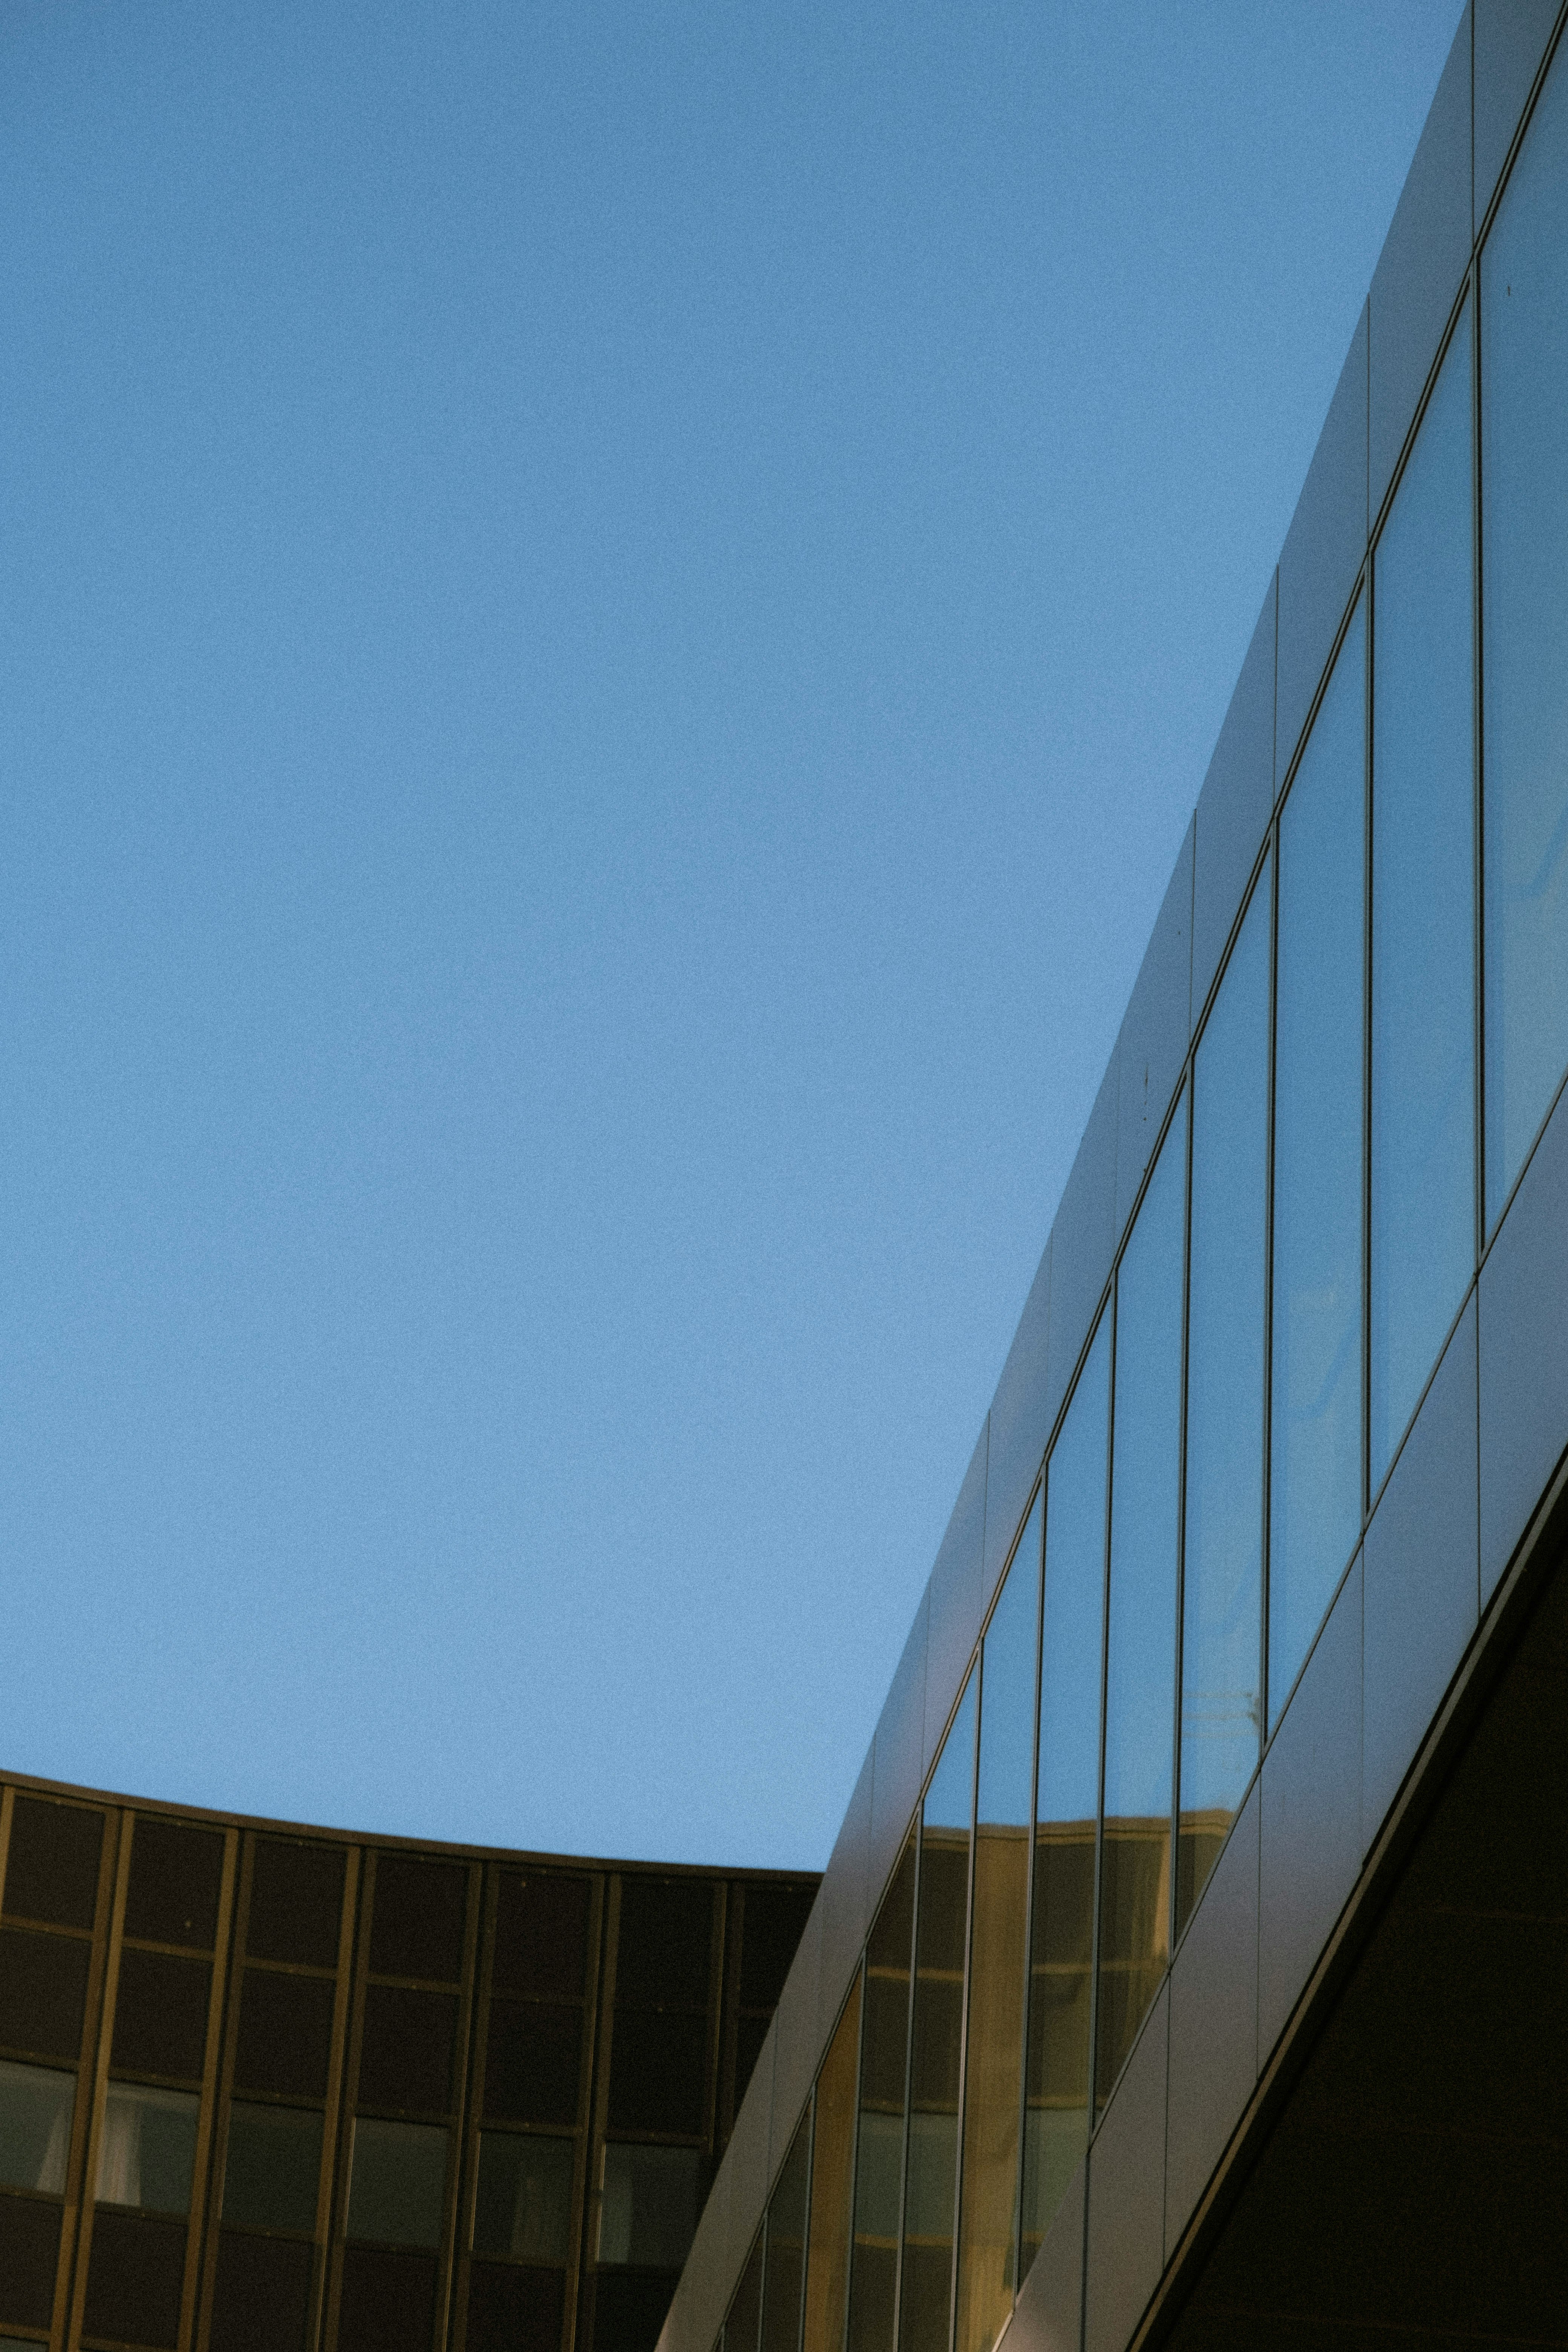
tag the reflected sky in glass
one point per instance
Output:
(1315, 1489)
(1423, 909)
(1524, 531)
(1074, 1599)
(1007, 1689)
(1221, 1644)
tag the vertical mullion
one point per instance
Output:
(1171, 1904)
(1369, 785)
(1266, 1711)
(1029, 1897)
(978, 1670)
(1104, 1687)
(909, 2070)
(1478, 756)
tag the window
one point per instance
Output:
(148, 2151)
(396, 2185)
(523, 2207)
(879, 2154)
(37, 2105)
(647, 2214)
(273, 2167)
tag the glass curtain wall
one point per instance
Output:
(998, 1950)
(1422, 1194)
(880, 2144)
(1315, 1453)
(1524, 536)
(1141, 1612)
(1221, 1571)
(832, 2158)
(1067, 1802)
(783, 2266)
(936, 2055)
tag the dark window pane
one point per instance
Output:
(261, 2300)
(43, 1990)
(514, 2310)
(406, 2055)
(388, 2301)
(1423, 909)
(523, 2205)
(148, 2152)
(285, 2038)
(648, 2211)
(161, 2014)
(1141, 1663)
(1222, 1571)
(1061, 1932)
(664, 1954)
(751, 2033)
(533, 2062)
(36, 2104)
(1525, 662)
(879, 2162)
(135, 2273)
(272, 2169)
(1315, 1436)
(931, 2183)
(784, 2270)
(629, 2310)
(51, 1869)
(295, 1902)
(176, 1875)
(657, 2073)
(417, 1928)
(743, 2328)
(833, 2142)
(774, 1924)
(29, 2253)
(542, 1936)
(398, 2181)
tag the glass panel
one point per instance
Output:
(648, 2215)
(930, 2180)
(1222, 1560)
(523, 2204)
(1315, 1487)
(396, 2187)
(1423, 910)
(273, 2167)
(1140, 1614)
(827, 2254)
(148, 2151)
(998, 1951)
(36, 2104)
(1066, 1802)
(1524, 605)
(879, 2152)
(740, 2329)
(784, 2270)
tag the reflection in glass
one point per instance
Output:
(832, 2151)
(523, 2201)
(930, 2180)
(396, 2184)
(879, 2154)
(1525, 667)
(1423, 910)
(741, 2327)
(272, 2169)
(998, 1951)
(1221, 1571)
(36, 2104)
(1061, 1932)
(784, 2263)
(148, 2151)
(1140, 1614)
(648, 2212)
(1315, 1485)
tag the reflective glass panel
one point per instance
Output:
(647, 2214)
(832, 2149)
(396, 2184)
(742, 2326)
(1067, 1802)
(1140, 1616)
(1315, 1483)
(523, 2203)
(998, 1951)
(930, 2182)
(272, 2167)
(879, 2152)
(1222, 1570)
(1423, 910)
(148, 2151)
(784, 2266)
(1524, 666)
(36, 2104)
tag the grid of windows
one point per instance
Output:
(268, 2091)
(1381, 1047)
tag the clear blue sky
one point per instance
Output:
(612, 619)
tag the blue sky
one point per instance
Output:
(612, 619)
